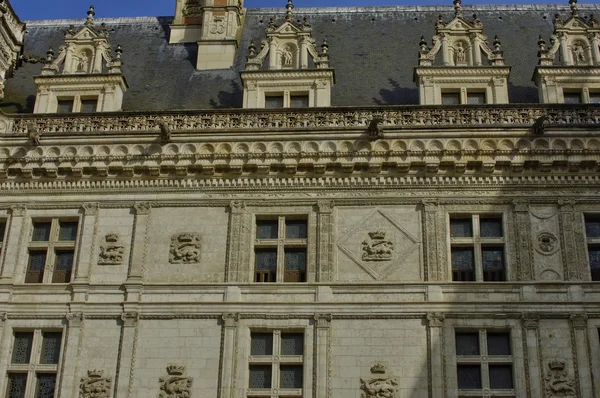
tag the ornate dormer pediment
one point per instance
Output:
(288, 64)
(569, 64)
(12, 31)
(84, 71)
(459, 52)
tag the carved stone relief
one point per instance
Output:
(558, 382)
(185, 249)
(175, 384)
(95, 385)
(378, 385)
(547, 243)
(111, 252)
(377, 248)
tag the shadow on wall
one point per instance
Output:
(229, 99)
(397, 95)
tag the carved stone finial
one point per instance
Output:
(289, 7)
(497, 44)
(90, 15)
(458, 8)
(324, 47)
(306, 23)
(251, 50)
(423, 44)
(574, 9)
(541, 43)
(119, 51)
(50, 54)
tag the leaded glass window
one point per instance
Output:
(22, 347)
(475, 98)
(291, 376)
(295, 229)
(89, 105)
(572, 97)
(491, 227)
(52, 251)
(299, 101)
(292, 343)
(46, 385)
(594, 98)
(501, 377)
(274, 101)
(266, 229)
(467, 343)
(498, 343)
(592, 232)
(65, 105)
(461, 227)
(260, 376)
(17, 383)
(450, 98)
(41, 231)
(469, 377)
(50, 347)
(67, 230)
(261, 344)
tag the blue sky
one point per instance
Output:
(65, 9)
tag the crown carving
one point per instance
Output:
(377, 235)
(187, 237)
(176, 370)
(112, 237)
(378, 368)
(95, 373)
(556, 365)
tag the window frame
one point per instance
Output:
(34, 367)
(287, 97)
(52, 247)
(463, 94)
(478, 243)
(585, 93)
(77, 101)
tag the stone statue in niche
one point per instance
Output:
(579, 53)
(558, 382)
(83, 62)
(185, 249)
(111, 253)
(175, 384)
(287, 56)
(379, 385)
(95, 385)
(378, 248)
(460, 54)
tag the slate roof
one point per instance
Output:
(372, 49)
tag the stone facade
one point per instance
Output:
(161, 225)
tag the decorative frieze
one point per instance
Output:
(175, 384)
(111, 252)
(95, 385)
(185, 249)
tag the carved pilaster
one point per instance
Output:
(322, 356)
(139, 240)
(90, 209)
(533, 365)
(229, 353)
(75, 319)
(72, 352)
(434, 270)
(127, 354)
(581, 360)
(236, 242)
(130, 319)
(18, 210)
(571, 258)
(435, 324)
(12, 248)
(325, 241)
(87, 243)
(522, 233)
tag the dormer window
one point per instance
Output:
(85, 77)
(288, 71)
(572, 97)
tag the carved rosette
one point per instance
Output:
(547, 243)
(378, 385)
(111, 252)
(377, 248)
(95, 385)
(175, 384)
(185, 249)
(559, 384)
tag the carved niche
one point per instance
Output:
(175, 384)
(378, 385)
(377, 248)
(558, 382)
(185, 249)
(111, 252)
(95, 385)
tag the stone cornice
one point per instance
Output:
(288, 74)
(568, 70)
(312, 119)
(459, 71)
(82, 80)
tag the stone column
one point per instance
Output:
(126, 359)
(14, 246)
(229, 359)
(325, 246)
(87, 242)
(571, 258)
(322, 356)
(533, 366)
(579, 339)
(69, 385)
(432, 268)
(595, 37)
(565, 54)
(522, 232)
(435, 326)
(236, 240)
(137, 256)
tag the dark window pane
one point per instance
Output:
(41, 231)
(292, 343)
(291, 376)
(22, 347)
(63, 267)
(299, 101)
(501, 377)
(16, 385)
(467, 343)
(68, 230)
(594, 98)
(491, 227)
(498, 343)
(261, 344)
(451, 98)
(462, 264)
(475, 98)
(65, 106)
(89, 106)
(274, 101)
(50, 347)
(592, 227)
(572, 98)
(260, 376)
(266, 259)
(46, 384)
(461, 227)
(35, 269)
(295, 229)
(266, 229)
(295, 260)
(469, 377)
(2, 230)
(594, 255)
(493, 258)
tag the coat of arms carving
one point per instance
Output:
(377, 248)
(175, 384)
(558, 382)
(95, 385)
(111, 252)
(217, 26)
(185, 249)
(378, 385)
